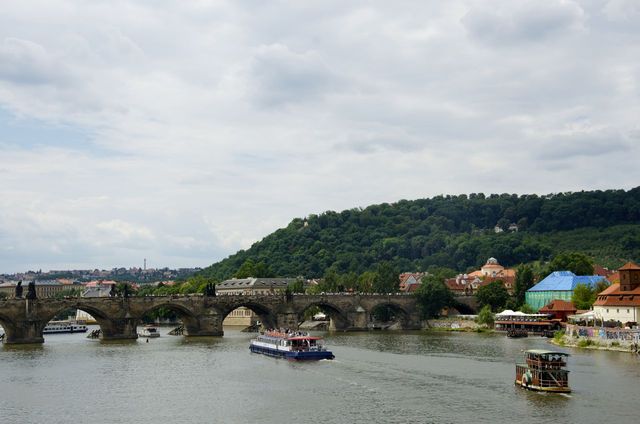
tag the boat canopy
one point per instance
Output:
(545, 352)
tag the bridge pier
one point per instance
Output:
(287, 319)
(119, 329)
(358, 319)
(205, 326)
(24, 332)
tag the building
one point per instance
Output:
(558, 285)
(468, 284)
(541, 324)
(621, 301)
(44, 288)
(559, 309)
(97, 288)
(464, 284)
(410, 281)
(250, 287)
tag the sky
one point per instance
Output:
(182, 132)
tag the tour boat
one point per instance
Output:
(543, 371)
(295, 346)
(54, 327)
(150, 331)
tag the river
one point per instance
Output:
(378, 377)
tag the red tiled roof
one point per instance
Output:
(628, 266)
(613, 296)
(614, 278)
(559, 306)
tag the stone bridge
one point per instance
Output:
(23, 320)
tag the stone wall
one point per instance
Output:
(604, 336)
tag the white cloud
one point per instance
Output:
(208, 125)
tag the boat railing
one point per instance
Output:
(546, 364)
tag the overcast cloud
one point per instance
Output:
(182, 131)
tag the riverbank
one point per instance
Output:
(585, 343)
(457, 325)
(599, 338)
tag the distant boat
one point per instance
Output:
(543, 371)
(54, 327)
(150, 331)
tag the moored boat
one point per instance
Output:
(150, 331)
(54, 327)
(543, 370)
(295, 346)
(515, 333)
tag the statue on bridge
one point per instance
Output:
(112, 291)
(125, 291)
(31, 291)
(210, 290)
(19, 290)
(288, 295)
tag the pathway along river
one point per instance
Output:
(381, 377)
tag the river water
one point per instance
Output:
(379, 377)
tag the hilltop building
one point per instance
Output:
(468, 284)
(621, 301)
(558, 285)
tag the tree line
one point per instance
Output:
(455, 232)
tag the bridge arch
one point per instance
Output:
(338, 317)
(102, 317)
(188, 317)
(267, 317)
(388, 311)
(8, 325)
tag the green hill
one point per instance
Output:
(451, 231)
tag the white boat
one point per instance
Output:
(294, 346)
(150, 331)
(54, 327)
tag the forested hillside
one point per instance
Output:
(451, 231)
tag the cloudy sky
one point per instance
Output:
(183, 131)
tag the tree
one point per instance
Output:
(583, 296)
(493, 294)
(297, 286)
(432, 296)
(262, 270)
(527, 309)
(524, 281)
(485, 316)
(576, 262)
(330, 281)
(365, 281)
(386, 280)
(67, 293)
(246, 270)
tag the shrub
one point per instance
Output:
(585, 343)
(558, 337)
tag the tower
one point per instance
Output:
(629, 277)
(145, 264)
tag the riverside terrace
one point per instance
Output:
(23, 320)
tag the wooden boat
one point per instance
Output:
(543, 370)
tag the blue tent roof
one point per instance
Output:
(565, 280)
